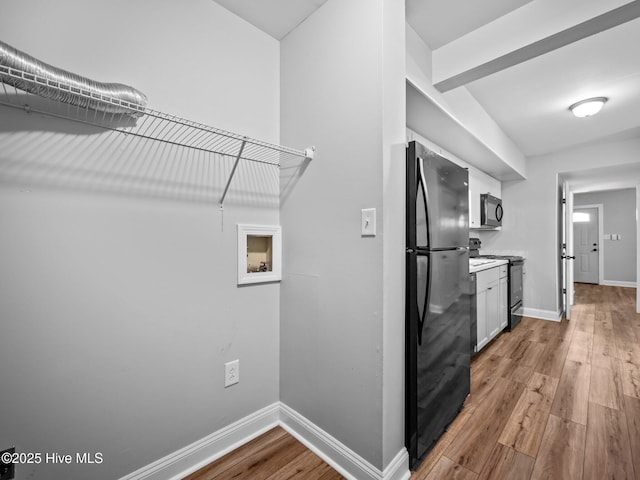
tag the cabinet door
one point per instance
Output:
(493, 322)
(481, 307)
(503, 302)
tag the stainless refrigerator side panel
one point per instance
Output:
(442, 359)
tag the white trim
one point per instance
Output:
(618, 283)
(398, 468)
(637, 248)
(187, 460)
(543, 314)
(348, 463)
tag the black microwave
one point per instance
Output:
(490, 211)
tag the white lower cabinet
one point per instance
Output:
(481, 313)
(491, 303)
(503, 301)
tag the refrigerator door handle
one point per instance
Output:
(422, 183)
(424, 315)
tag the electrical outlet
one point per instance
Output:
(7, 470)
(231, 373)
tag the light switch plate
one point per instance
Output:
(368, 222)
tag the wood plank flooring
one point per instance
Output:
(274, 455)
(552, 400)
(549, 401)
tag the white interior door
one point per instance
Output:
(586, 245)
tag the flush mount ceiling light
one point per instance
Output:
(588, 107)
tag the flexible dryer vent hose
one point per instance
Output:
(70, 84)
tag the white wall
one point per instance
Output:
(118, 293)
(619, 217)
(530, 223)
(393, 228)
(342, 313)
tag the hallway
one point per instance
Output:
(552, 400)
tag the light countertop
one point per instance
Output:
(479, 264)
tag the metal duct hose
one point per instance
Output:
(66, 86)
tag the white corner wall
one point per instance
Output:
(530, 221)
(118, 293)
(342, 313)
(393, 230)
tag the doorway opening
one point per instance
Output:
(575, 252)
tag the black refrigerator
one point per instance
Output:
(437, 298)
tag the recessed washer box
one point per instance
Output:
(259, 253)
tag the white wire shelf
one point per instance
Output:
(61, 100)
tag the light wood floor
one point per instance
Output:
(549, 400)
(553, 401)
(274, 455)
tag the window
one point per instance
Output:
(580, 217)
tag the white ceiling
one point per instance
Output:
(603, 178)
(530, 100)
(439, 22)
(524, 61)
(275, 17)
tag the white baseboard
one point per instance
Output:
(398, 468)
(181, 463)
(347, 462)
(618, 283)
(554, 316)
(187, 460)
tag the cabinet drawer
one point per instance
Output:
(485, 278)
(503, 270)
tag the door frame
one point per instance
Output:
(600, 208)
(567, 242)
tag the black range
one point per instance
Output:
(516, 307)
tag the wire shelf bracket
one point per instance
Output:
(233, 171)
(96, 109)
